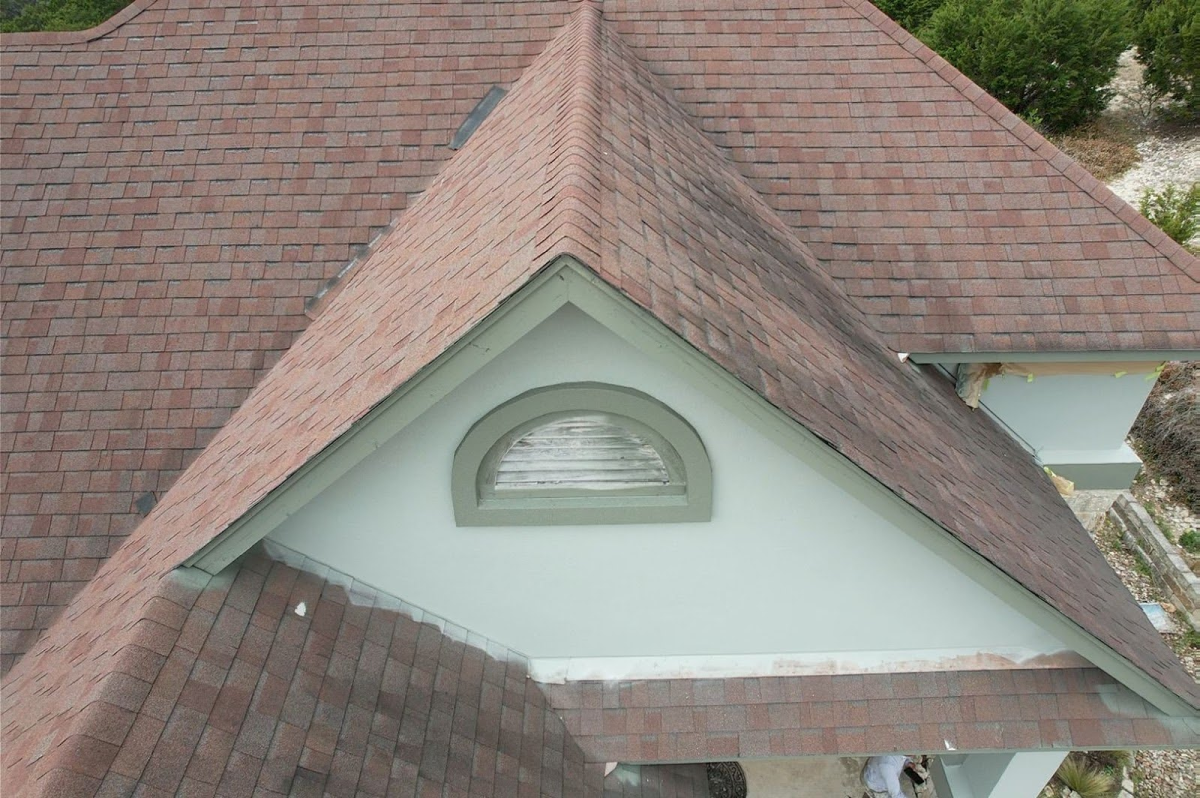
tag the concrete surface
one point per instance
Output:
(1090, 506)
(815, 777)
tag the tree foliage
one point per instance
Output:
(1047, 60)
(911, 14)
(31, 15)
(1167, 34)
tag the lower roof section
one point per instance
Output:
(681, 720)
(269, 680)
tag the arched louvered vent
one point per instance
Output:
(586, 451)
(581, 453)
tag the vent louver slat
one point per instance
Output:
(581, 453)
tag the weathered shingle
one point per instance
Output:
(955, 226)
(178, 182)
(590, 155)
(857, 715)
(346, 699)
(173, 191)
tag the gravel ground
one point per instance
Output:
(1165, 159)
(1178, 519)
(1167, 156)
(1158, 774)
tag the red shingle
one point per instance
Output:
(591, 156)
(147, 211)
(245, 752)
(861, 725)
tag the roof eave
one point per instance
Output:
(567, 280)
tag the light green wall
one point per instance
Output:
(994, 775)
(789, 563)
(1075, 423)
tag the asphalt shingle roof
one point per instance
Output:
(589, 155)
(173, 191)
(236, 692)
(955, 226)
(179, 181)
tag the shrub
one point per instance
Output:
(1076, 774)
(1190, 541)
(1175, 211)
(29, 15)
(1167, 35)
(911, 14)
(1167, 431)
(1047, 59)
(1112, 761)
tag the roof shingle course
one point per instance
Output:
(642, 197)
(167, 211)
(847, 715)
(368, 703)
(888, 163)
(169, 208)
(355, 697)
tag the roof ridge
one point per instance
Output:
(571, 218)
(46, 39)
(765, 260)
(771, 220)
(1064, 164)
(688, 241)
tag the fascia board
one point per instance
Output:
(607, 306)
(567, 280)
(1148, 355)
(528, 307)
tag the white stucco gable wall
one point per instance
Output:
(791, 568)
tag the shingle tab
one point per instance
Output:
(174, 189)
(798, 715)
(954, 225)
(381, 704)
(379, 718)
(592, 156)
(178, 183)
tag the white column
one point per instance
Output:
(1018, 775)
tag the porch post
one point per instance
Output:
(1015, 775)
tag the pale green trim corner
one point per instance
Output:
(687, 498)
(1098, 476)
(567, 280)
(1148, 355)
(545, 293)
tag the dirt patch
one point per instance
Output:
(1166, 152)
(1130, 147)
(1107, 148)
(1166, 436)
(1165, 159)
(1157, 774)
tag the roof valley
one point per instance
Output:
(710, 259)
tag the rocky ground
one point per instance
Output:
(1168, 153)
(1156, 774)
(1172, 518)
